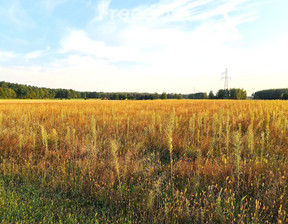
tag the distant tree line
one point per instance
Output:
(233, 94)
(19, 91)
(198, 96)
(272, 94)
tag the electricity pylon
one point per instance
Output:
(226, 84)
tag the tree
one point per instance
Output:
(235, 94)
(243, 94)
(284, 96)
(93, 95)
(84, 95)
(130, 96)
(164, 96)
(11, 94)
(122, 96)
(113, 96)
(155, 96)
(211, 95)
(22, 91)
(180, 97)
(3, 94)
(222, 94)
(270, 94)
(6, 93)
(61, 94)
(69, 94)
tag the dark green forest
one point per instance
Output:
(272, 94)
(19, 91)
(233, 94)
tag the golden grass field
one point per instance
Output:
(170, 161)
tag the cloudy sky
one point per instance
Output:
(144, 46)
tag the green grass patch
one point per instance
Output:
(22, 202)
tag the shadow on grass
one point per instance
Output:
(23, 202)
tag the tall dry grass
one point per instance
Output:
(154, 161)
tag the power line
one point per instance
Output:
(226, 83)
(227, 78)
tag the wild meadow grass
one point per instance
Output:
(171, 161)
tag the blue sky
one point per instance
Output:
(144, 46)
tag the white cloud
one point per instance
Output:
(36, 54)
(78, 41)
(50, 5)
(14, 14)
(7, 56)
(102, 10)
(166, 11)
(162, 46)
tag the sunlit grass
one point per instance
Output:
(144, 161)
